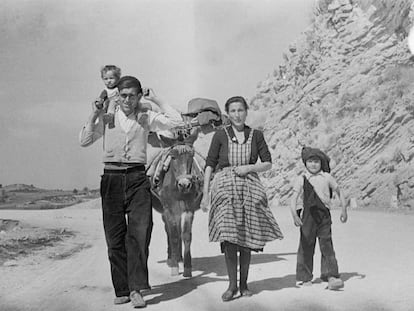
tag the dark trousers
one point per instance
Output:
(127, 220)
(309, 231)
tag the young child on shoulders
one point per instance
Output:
(110, 75)
(316, 186)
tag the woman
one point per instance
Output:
(240, 218)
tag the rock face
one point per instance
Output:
(347, 87)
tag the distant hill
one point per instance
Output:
(22, 196)
(21, 188)
(346, 86)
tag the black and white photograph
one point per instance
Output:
(207, 155)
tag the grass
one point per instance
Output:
(42, 199)
(22, 240)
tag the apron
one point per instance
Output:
(239, 211)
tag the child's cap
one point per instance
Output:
(309, 152)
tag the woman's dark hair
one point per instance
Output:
(127, 82)
(235, 99)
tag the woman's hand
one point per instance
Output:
(344, 216)
(204, 205)
(242, 170)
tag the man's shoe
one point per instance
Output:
(229, 294)
(335, 283)
(136, 299)
(121, 300)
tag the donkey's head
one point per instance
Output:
(181, 167)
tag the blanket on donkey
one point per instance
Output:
(160, 165)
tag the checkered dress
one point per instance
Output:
(239, 211)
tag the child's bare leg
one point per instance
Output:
(109, 117)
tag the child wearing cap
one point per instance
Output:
(315, 221)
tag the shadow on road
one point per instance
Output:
(216, 265)
(170, 291)
(345, 276)
(273, 284)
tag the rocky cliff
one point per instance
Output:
(346, 86)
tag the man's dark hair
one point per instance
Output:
(127, 82)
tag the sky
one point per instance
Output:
(52, 50)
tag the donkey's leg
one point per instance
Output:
(180, 251)
(168, 241)
(186, 225)
(173, 237)
(175, 247)
(180, 248)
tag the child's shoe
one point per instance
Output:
(302, 283)
(335, 283)
(109, 118)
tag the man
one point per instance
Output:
(125, 189)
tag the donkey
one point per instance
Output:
(177, 195)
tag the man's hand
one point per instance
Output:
(96, 111)
(149, 94)
(97, 105)
(297, 221)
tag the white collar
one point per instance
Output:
(126, 122)
(132, 115)
(111, 92)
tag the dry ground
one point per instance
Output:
(374, 252)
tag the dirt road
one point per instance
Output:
(374, 252)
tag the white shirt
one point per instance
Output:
(157, 121)
(126, 122)
(111, 92)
